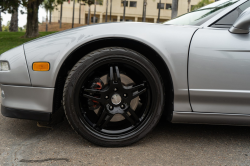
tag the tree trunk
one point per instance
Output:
(174, 8)
(88, 16)
(110, 16)
(124, 9)
(0, 21)
(61, 15)
(144, 10)
(95, 11)
(189, 1)
(46, 20)
(49, 16)
(14, 22)
(73, 14)
(32, 19)
(106, 17)
(159, 12)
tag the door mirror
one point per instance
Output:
(242, 24)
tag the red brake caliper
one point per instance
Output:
(97, 84)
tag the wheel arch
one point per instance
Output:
(132, 44)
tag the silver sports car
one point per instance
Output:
(116, 80)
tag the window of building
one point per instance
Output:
(96, 19)
(168, 6)
(99, 2)
(132, 3)
(123, 3)
(160, 5)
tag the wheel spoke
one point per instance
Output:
(118, 78)
(107, 120)
(132, 89)
(138, 93)
(92, 91)
(128, 118)
(111, 75)
(133, 114)
(104, 119)
(101, 118)
(92, 97)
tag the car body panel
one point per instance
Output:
(162, 38)
(219, 77)
(35, 99)
(18, 74)
(222, 14)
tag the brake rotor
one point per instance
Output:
(126, 81)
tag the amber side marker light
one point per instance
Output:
(41, 66)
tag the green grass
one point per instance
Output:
(10, 40)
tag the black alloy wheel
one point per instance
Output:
(113, 97)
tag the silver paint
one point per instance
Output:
(28, 98)
(242, 24)
(211, 118)
(18, 73)
(162, 38)
(219, 77)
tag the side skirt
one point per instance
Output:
(25, 114)
(211, 118)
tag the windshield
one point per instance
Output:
(201, 15)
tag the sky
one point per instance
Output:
(22, 18)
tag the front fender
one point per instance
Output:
(170, 42)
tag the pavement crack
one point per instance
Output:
(44, 160)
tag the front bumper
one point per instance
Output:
(27, 102)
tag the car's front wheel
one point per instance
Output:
(113, 97)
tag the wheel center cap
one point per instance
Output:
(116, 99)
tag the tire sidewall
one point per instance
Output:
(82, 66)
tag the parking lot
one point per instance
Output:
(23, 143)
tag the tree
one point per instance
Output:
(10, 7)
(144, 10)
(201, 4)
(49, 6)
(32, 18)
(14, 21)
(174, 9)
(106, 16)
(1, 19)
(91, 2)
(159, 12)
(110, 15)
(188, 9)
(124, 9)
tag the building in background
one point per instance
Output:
(134, 9)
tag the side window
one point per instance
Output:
(228, 20)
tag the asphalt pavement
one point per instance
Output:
(23, 143)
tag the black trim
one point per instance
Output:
(25, 114)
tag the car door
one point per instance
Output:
(219, 68)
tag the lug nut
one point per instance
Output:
(115, 89)
(106, 97)
(125, 95)
(122, 106)
(110, 107)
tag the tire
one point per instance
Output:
(120, 111)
